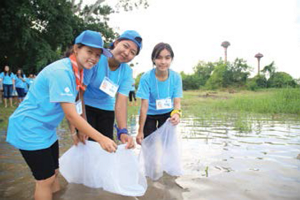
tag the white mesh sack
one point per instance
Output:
(160, 152)
(114, 172)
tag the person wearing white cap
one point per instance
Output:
(108, 87)
(55, 94)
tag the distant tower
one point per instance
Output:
(258, 56)
(225, 44)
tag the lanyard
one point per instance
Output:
(107, 73)
(78, 74)
(168, 84)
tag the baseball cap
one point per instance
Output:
(92, 39)
(134, 37)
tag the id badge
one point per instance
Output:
(79, 107)
(109, 87)
(163, 104)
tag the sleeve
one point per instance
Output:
(126, 84)
(1, 75)
(177, 90)
(62, 87)
(143, 91)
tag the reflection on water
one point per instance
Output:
(229, 158)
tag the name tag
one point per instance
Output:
(163, 104)
(109, 87)
(79, 107)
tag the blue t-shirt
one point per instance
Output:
(19, 83)
(7, 79)
(33, 124)
(29, 81)
(152, 89)
(93, 78)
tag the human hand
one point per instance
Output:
(125, 138)
(175, 119)
(139, 138)
(107, 144)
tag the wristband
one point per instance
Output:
(176, 111)
(120, 132)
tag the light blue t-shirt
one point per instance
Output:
(7, 79)
(33, 124)
(19, 83)
(93, 78)
(152, 89)
(29, 81)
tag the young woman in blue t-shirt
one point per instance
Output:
(55, 94)
(8, 81)
(160, 90)
(111, 79)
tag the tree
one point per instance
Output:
(269, 69)
(37, 32)
(281, 80)
(257, 82)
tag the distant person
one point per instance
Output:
(132, 94)
(8, 81)
(160, 90)
(30, 80)
(21, 85)
(55, 94)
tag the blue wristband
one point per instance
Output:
(120, 132)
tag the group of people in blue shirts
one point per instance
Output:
(10, 82)
(90, 88)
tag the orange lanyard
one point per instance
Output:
(78, 74)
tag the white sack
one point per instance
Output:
(114, 172)
(160, 152)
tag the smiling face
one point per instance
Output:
(163, 60)
(124, 51)
(87, 57)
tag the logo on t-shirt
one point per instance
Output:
(67, 92)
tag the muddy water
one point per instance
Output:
(221, 160)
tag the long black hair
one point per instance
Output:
(22, 73)
(9, 71)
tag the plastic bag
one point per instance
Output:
(114, 172)
(161, 152)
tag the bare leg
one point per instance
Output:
(43, 189)
(5, 102)
(56, 185)
(10, 102)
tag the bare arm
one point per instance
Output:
(142, 120)
(79, 123)
(175, 118)
(121, 118)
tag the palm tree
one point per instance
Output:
(258, 56)
(269, 68)
(225, 44)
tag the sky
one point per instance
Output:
(196, 28)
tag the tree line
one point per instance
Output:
(35, 33)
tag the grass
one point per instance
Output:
(241, 107)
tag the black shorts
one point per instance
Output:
(43, 162)
(101, 120)
(153, 122)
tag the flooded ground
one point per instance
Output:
(226, 159)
